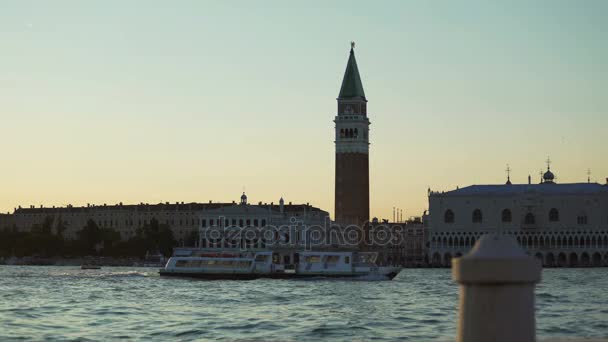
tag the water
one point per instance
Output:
(66, 303)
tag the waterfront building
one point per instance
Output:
(352, 149)
(287, 224)
(407, 244)
(560, 224)
(184, 219)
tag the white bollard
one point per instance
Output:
(497, 281)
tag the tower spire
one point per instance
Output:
(508, 175)
(352, 87)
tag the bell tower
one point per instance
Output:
(352, 149)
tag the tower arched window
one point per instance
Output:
(529, 219)
(448, 217)
(553, 215)
(506, 216)
(477, 217)
(356, 133)
(342, 133)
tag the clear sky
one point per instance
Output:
(150, 101)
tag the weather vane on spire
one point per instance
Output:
(548, 163)
(352, 45)
(508, 174)
(588, 175)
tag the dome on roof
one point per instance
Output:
(548, 177)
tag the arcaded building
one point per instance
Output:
(561, 224)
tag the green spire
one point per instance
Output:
(351, 84)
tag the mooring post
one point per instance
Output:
(497, 280)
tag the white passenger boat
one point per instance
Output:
(269, 264)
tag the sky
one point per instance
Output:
(154, 101)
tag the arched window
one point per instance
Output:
(529, 219)
(581, 219)
(553, 215)
(506, 215)
(477, 218)
(448, 217)
(356, 133)
(342, 133)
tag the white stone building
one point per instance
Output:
(287, 224)
(561, 224)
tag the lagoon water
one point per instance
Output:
(66, 303)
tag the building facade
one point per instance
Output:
(352, 149)
(184, 219)
(561, 224)
(247, 226)
(407, 244)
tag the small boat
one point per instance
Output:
(155, 259)
(90, 267)
(269, 264)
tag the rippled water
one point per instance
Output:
(66, 303)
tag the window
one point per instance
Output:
(204, 223)
(332, 259)
(347, 260)
(581, 219)
(553, 215)
(261, 258)
(506, 216)
(448, 217)
(477, 218)
(312, 259)
(529, 219)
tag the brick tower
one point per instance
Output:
(352, 149)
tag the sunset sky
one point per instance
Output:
(150, 101)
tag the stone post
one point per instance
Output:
(497, 280)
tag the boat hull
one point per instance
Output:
(252, 276)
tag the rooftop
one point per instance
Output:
(518, 189)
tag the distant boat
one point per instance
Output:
(155, 259)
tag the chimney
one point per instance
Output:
(606, 180)
(529, 179)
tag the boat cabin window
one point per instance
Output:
(213, 263)
(311, 259)
(333, 259)
(347, 260)
(261, 258)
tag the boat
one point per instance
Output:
(270, 264)
(155, 259)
